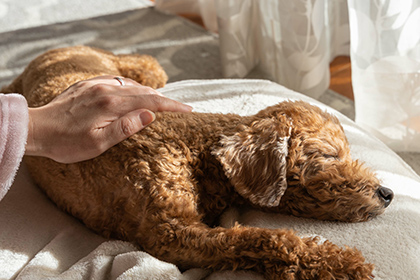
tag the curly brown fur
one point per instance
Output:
(164, 187)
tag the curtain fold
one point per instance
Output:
(287, 40)
(293, 42)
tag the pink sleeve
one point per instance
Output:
(13, 134)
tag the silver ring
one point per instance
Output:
(120, 80)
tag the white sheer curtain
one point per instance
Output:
(293, 42)
(385, 54)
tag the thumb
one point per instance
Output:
(127, 125)
(146, 117)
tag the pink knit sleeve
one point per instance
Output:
(13, 134)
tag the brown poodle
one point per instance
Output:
(164, 187)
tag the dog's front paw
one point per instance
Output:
(343, 263)
(323, 261)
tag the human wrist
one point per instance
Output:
(34, 142)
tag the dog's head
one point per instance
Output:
(294, 158)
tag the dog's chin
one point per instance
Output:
(366, 216)
(375, 213)
(363, 215)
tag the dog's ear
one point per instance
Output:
(254, 160)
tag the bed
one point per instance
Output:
(38, 241)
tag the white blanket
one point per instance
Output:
(37, 241)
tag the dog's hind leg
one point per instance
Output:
(144, 69)
(14, 87)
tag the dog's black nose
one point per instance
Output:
(386, 195)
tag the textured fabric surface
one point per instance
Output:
(185, 50)
(59, 247)
(16, 14)
(13, 134)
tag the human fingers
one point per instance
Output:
(124, 127)
(131, 99)
(113, 80)
(151, 102)
(104, 99)
(121, 82)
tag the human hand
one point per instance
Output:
(91, 116)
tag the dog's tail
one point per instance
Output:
(144, 69)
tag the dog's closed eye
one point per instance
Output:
(327, 156)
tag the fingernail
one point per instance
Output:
(147, 117)
(188, 108)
